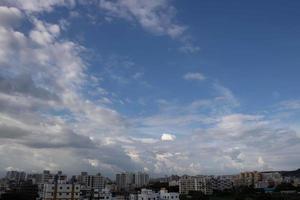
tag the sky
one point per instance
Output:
(164, 86)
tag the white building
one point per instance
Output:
(92, 181)
(173, 183)
(101, 194)
(148, 195)
(60, 191)
(195, 183)
(165, 195)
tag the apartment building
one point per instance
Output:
(195, 183)
(91, 181)
(60, 191)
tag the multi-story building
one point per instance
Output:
(173, 183)
(129, 180)
(91, 181)
(274, 178)
(186, 184)
(147, 194)
(101, 195)
(141, 179)
(195, 183)
(221, 183)
(204, 185)
(123, 180)
(15, 176)
(60, 191)
(249, 178)
(165, 195)
(47, 177)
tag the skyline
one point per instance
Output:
(165, 87)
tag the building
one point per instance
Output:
(249, 178)
(26, 190)
(101, 194)
(123, 180)
(165, 195)
(173, 183)
(195, 183)
(141, 179)
(47, 177)
(60, 191)
(273, 178)
(91, 181)
(147, 194)
(15, 176)
(128, 180)
(221, 183)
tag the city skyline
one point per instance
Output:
(165, 87)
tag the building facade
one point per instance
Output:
(91, 181)
(61, 191)
(195, 183)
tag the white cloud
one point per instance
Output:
(194, 76)
(154, 16)
(187, 47)
(260, 161)
(9, 16)
(167, 137)
(290, 105)
(38, 5)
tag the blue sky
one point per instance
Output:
(165, 86)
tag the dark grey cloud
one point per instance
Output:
(12, 132)
(23, 84)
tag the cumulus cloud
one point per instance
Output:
(9, 16)
(48, 120)
(194, 76)
(167, 137)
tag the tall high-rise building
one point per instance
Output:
(129, 180)
(92, 181)
(141, 179)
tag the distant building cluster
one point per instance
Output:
(265, 180)
(204, 184)
(132, 185)
(57, 186)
